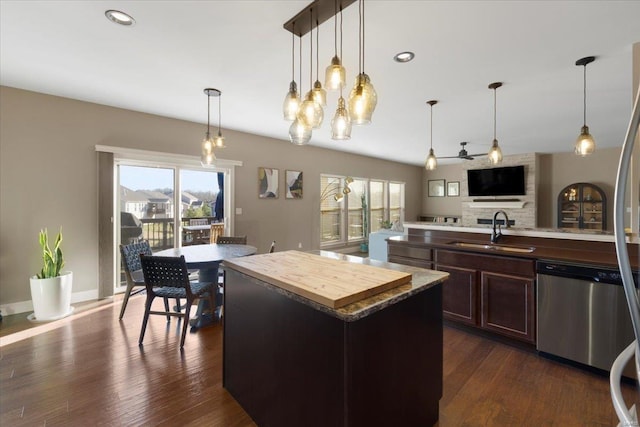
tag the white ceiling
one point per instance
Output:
(177, 48)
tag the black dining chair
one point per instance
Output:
(168, 277)
(133, 271)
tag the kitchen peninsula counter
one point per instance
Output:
(290, 360)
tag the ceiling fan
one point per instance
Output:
(463, 154)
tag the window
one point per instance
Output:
(377, 204)
(330, 209)
(351, 208)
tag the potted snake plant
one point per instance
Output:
(51, 288)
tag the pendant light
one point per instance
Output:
(218, 141)
(495, 153)
(310, 112)
(207, 157)
(299, 132)
(292, 100)
(363, 97)
(335, 75)
(341, 123)
(431, 163)
(585, 143)
(319, 94)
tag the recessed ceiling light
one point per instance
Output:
(404, 57)
(119, 17)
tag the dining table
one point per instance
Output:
(207, 258)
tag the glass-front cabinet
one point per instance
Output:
(582, 206)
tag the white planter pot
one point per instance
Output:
(51, 297)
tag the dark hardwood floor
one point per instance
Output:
(88, 370)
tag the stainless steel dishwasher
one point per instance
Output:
(582, 313)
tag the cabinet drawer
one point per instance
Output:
(497, 264)
(411, 252)
(411, 261)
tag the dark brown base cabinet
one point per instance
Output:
(493, 293)
(289, 364)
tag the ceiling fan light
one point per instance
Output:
(495, 154)
(431, 163)
(362, 100)
(335, 75)
(585, 144)
(310, 112)
(291, 102)
(341, 123)
(299, 133)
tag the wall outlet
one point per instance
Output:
(238, 211)
(300, 245)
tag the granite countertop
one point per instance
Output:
(421, 280)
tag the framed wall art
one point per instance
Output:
(267, 183)
(436, 188)
(453, 188)
(293, 183)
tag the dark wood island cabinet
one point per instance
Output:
(291, 361)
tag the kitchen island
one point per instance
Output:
(290, 358)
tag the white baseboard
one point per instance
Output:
(24, 306)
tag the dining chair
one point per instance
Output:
(168, 277)
(231, 240)
(133, 271)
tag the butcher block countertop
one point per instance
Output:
(347, 287)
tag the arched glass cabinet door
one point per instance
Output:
(582, 206)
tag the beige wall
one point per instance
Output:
(48, 169)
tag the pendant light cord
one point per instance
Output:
(360, 37)
(311, 49)
(341, 58)
(300, 65)
(431, 143)
(363, 36)
(584, 91)
(335, 26)
(293, 55)
(494, 114)
(317, 49)
(208, 113)
(219, 112)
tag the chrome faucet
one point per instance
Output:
(495, 236)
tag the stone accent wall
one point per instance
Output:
(524, 217)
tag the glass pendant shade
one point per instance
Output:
(207, 156)
(431, 163)
(299, 134)
(362, 100)
(495, 154)
(291, 102)
(310, 112)
(341, 123)
(335, 75)
(319, 94)
(218, 141)
(585, 143)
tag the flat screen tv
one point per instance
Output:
(503, 181)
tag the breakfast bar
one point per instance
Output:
(326, 339)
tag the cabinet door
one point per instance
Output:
(507, 305)
(459, 295)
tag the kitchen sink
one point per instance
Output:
(492, 247)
